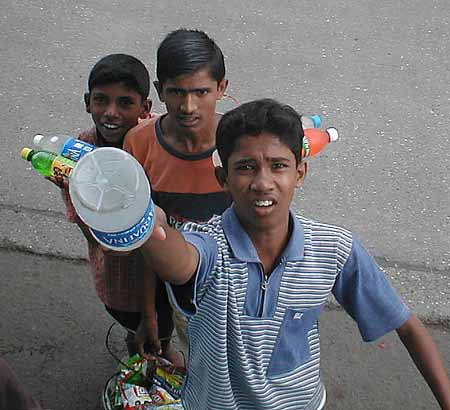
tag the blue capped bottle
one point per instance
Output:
(64, 145)
(313, 121)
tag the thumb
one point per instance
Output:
(159, 233)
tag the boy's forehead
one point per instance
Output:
(198, 78)
(114, 88)
(262, 141)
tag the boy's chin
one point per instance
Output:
(112, 138)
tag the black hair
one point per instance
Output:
(255, 117)
(121, 68)
(185, 51)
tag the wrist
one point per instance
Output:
(151, 314)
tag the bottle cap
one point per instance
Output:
(217, 162)
(111, 194)
(37, 139)
(317, 120)
(25, 153)
(333, 133)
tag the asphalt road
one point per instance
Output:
(377, 70)
(53, 332)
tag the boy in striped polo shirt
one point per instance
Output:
(254, 281)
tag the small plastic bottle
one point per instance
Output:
(48, 163)
(64, 145)
(315, 140)
(313, 121)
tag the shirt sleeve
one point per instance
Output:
(127, 144)
(186, 298)
(367, 296)
(136, 141)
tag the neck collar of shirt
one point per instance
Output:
(243, 248)
(171, 150)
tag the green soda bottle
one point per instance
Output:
(48, 163)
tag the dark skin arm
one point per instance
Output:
(147, 332)
(426, 357)
(173, 258)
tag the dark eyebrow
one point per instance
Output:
(243, 161)
(126, 97)
(278, 159)
(188, 90)
(98, 94)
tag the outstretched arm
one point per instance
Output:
(147, 331)
(425, 355)
(173, 258)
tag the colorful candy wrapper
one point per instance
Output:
(143, 384)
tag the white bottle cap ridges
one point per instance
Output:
(216, 159)
(37, 139)
(109, 189)
(333, 133)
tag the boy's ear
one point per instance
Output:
(302, 169)
(158, 89)
(146, 107)
(87, 97)
(221, 176)
(222, 87)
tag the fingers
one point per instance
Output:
(146, 337)
(110, 252)
(148, 345)
(59, 181)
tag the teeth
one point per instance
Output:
(111, 126)
(263, 203)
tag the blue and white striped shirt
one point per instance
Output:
(254, 342)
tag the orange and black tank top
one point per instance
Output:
(183, 185)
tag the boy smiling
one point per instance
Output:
(117, 98)
(254, 281)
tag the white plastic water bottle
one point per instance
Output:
(313, 121)
(64, 145)
(112, 195)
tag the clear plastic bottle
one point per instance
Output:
(315, 140)
(313, 121)
(48, 163)
(64, 145)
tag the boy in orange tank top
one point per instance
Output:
(175, 149)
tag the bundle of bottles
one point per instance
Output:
(56, 156)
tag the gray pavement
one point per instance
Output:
(378, 71)
(53, 331)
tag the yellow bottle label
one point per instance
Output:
(62, 167)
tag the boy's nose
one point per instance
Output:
(262, 181)
(112, 110)
(188, 105)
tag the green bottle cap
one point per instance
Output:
(25, 153)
